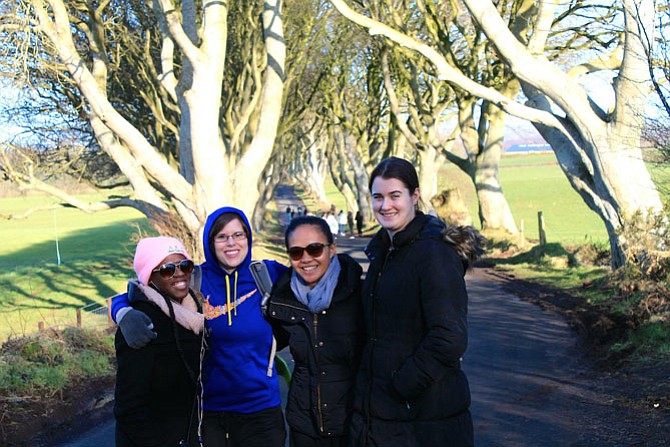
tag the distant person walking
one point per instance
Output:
(342, 222)
(359, 223)
(350, 223)
(332, 223)
(289, 213)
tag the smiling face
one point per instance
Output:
(393, 204)
(175, 287)
(231, 245)
(310, 268)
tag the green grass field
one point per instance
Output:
(533, 183)
(56, 261)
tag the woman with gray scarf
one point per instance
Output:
(317, 305)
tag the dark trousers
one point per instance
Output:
(301, 440)
(263, 428)
(456, 431)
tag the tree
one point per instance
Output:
(210, 73)
(337, 97)
(424, 106)
(657, 127)
(659, 59)
(599, 151)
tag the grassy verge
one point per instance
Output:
(533, 183)
(625, 316)
(46, 364)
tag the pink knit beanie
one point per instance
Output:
(150, 253)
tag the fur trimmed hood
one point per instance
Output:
(466, 240)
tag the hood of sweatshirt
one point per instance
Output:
(210, 256)
(225, 291)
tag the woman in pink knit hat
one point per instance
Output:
(156, 385)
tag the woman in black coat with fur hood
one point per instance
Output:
(410, 390)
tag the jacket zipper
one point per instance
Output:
(373, 337)
(315, 325)
(289, 306)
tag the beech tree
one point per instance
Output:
(599, 150)
(212, 78)
(445, 123)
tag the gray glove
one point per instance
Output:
(136, 328)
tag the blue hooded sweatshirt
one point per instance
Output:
(235, 372)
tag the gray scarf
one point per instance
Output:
(317, 298)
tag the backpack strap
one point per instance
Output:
(196, 278)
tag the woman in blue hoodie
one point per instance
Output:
(241, 390)
(241, 400)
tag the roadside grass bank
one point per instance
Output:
(622, 316)
(52, 379)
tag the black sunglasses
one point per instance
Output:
(168, 270)
(314, 250)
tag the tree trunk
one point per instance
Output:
(316, 173)
(430, 162)
(494, 210)
(361, 180)
(244, 189)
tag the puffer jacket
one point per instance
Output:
(326, 348)
(415, 307)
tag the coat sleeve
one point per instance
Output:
(118, 302)
(275, 269)
(443, 299)
(133, 385)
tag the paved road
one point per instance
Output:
(529, 387)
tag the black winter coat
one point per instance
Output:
(154, 396)
(415, 307)
(326, 348)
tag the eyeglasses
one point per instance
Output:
(314, 250)
(237, 236)
(168, 270)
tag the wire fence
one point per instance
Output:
(92, 316)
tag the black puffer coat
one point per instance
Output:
(415, 307)
(326, 348)
(155, 392)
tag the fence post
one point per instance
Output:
(40, 326)
(540, 224)
(79, 318)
